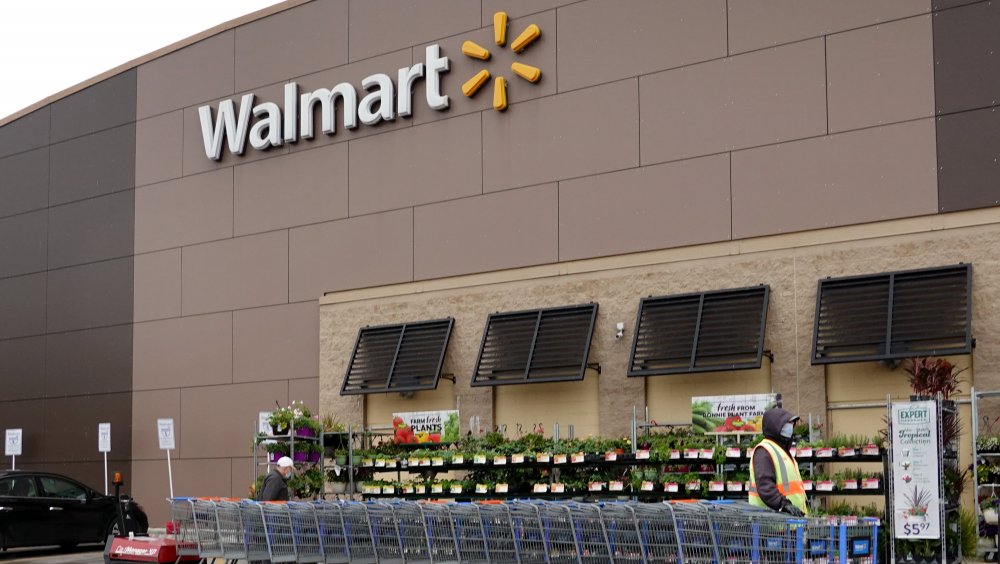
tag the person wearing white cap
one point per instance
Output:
(275, 486)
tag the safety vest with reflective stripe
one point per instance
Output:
(787, 476)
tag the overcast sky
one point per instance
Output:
(49, 45)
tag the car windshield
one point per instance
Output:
(55, 487)
(18, 486)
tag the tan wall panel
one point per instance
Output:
(669, 397)
(147, 407)
(236, 273)
(881, 74)
(753, 24)
(647, 208)
(297, 189)
(353, 74)
(187, 351)
(870, 175)
(278, 342)
(291, 42)
(871, 381)
(218, 421)
(605, 40)
(381, 166)
(492, 232)
(158, 148)
(378, 248)
(199, 72)
(157, 285)
(755, 99)
(540, 54)
(565, 403)
(184, 211)
(378, 26)
(575, 134)
(192, 478)
(196, 161)
(380, 407)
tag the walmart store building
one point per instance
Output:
(188, 237)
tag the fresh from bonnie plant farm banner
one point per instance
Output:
(416, 427)
(730, 414)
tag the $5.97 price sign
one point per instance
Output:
(915, 529)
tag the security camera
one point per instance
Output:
(619, 330)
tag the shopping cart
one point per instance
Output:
(278, 531)
(305, 533)
(358, 534)
(232, 531)
(470, 533)
(385, 533)
(255, 534)
(743, 533)
(622, 527)
(185, 530)
(440, 531)
(498, 531)
(206, 524)
(412, 532)
(529, 536)
(332, 536)
(588, 529)
(841, 540)
(560, 538)
(695, 542)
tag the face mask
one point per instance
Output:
(288, 476)
(786, 430)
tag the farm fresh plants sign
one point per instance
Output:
(915, 459)
(730, 414)
(417, 427)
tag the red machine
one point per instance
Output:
(143, 549)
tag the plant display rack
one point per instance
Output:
(986, 457)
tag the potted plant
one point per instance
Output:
(340, 457)
(281, 420)
(338, 480)
(276, 450)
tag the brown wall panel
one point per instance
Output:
(92, 361)
(292, 42)
(968, 145)
(92, 230)
(754, 99)
(217, 421)
(22, 306)
(492, 232)
(147, 407)
(23, 243)
(195, 74)
(192, 478)
(159, 148)
(107, 104)
(518, 8)
(754, 24)
(298, 189)
(565, 136)
(24, 181)
(307, 390)
(185, 211)
(540, 54)
(881, 74)
(91, 295)
(207, 342)
(857, 177)
(157, 285)
(92, 165)
(29, 416)
(22, 368)
(236, 273)
(605, 40)
(404, 168)
(652, 207)
(378, 26)
(278, 342)
(25, 133)
(378, 247)
(71, 426)
(967, 68)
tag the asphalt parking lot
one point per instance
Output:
(92, 554)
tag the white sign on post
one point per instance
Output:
(12, 446)
(104, 437)
(165, 432)
(263, 427)
(915, 458)
(165, 429)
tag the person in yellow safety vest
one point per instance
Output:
(774, 475)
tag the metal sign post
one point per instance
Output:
(104, 446)
(12, 446)
(165, 433)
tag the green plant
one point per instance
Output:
(277, 447)
(930, 376)
(332, 425)
(969, 527)
(306, 484)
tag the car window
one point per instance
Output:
(55, 487)
(18, 486)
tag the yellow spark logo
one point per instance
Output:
(476, 51)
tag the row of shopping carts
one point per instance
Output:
(522, 532)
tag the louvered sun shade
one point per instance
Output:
(894, 315)
(540, 345)
(406, 357)
(701, 332)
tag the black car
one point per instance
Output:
(42, 509)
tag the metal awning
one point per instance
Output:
(533, 346)
(405, 357)
(700, 332)
(894, 315)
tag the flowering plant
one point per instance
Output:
(296, 415)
